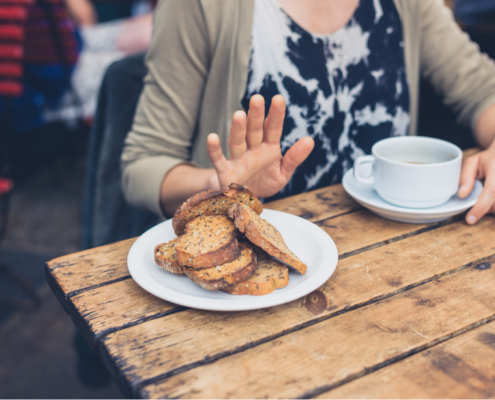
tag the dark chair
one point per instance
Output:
(107, 216)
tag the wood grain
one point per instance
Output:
(358, 280)
(312, 360)
(109, 308)
(362, 229)
(317, 205)
(461, 368)
(87, 269)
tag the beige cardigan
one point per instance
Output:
(197, 75)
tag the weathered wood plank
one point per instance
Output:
(88, 269)
(109, 308)
(357, 281)
(317, 205)
(461, 368)
(312, 360)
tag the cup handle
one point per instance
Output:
(357, 163)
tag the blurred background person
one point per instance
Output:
(102, 44)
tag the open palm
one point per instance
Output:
(254, 144)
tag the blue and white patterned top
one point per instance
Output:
(346, 90)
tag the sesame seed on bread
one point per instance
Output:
(268, 276)
(261, 255)
(264, 235)
(166, 258)
(224, 276)
(209, 240)
(213, 202)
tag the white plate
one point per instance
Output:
(309, 242)
(367, 196)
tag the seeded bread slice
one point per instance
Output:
(226, 275)
(264, 235)
(213, 202)
(166, 258)
(210, 240)
(269, 275)
(261, 255)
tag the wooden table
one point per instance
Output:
(408, 313)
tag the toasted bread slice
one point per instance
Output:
(166, 258)
(261, 255)
(213, 202)
(269, 275)
(264, 235)
(210, 240)
(226, 275)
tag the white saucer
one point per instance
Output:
(367, 196)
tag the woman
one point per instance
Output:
(347, 69)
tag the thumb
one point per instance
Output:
(215, 152)
(468, 176)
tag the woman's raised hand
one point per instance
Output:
(255, 157)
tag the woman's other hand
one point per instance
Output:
(479, 166)
(255, 157)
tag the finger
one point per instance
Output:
(486, 201)
(215, 152)
(274, 123)
(255, 120)
(296, 155)
(237, 138)
(468, 176)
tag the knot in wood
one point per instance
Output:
(483, 266)
(316, 302)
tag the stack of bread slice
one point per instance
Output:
(223, 244)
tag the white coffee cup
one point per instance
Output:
(412, 171)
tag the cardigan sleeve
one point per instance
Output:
(458, 71)
(167, 112)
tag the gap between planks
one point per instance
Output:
(428, 228)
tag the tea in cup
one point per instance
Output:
(412, 171)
